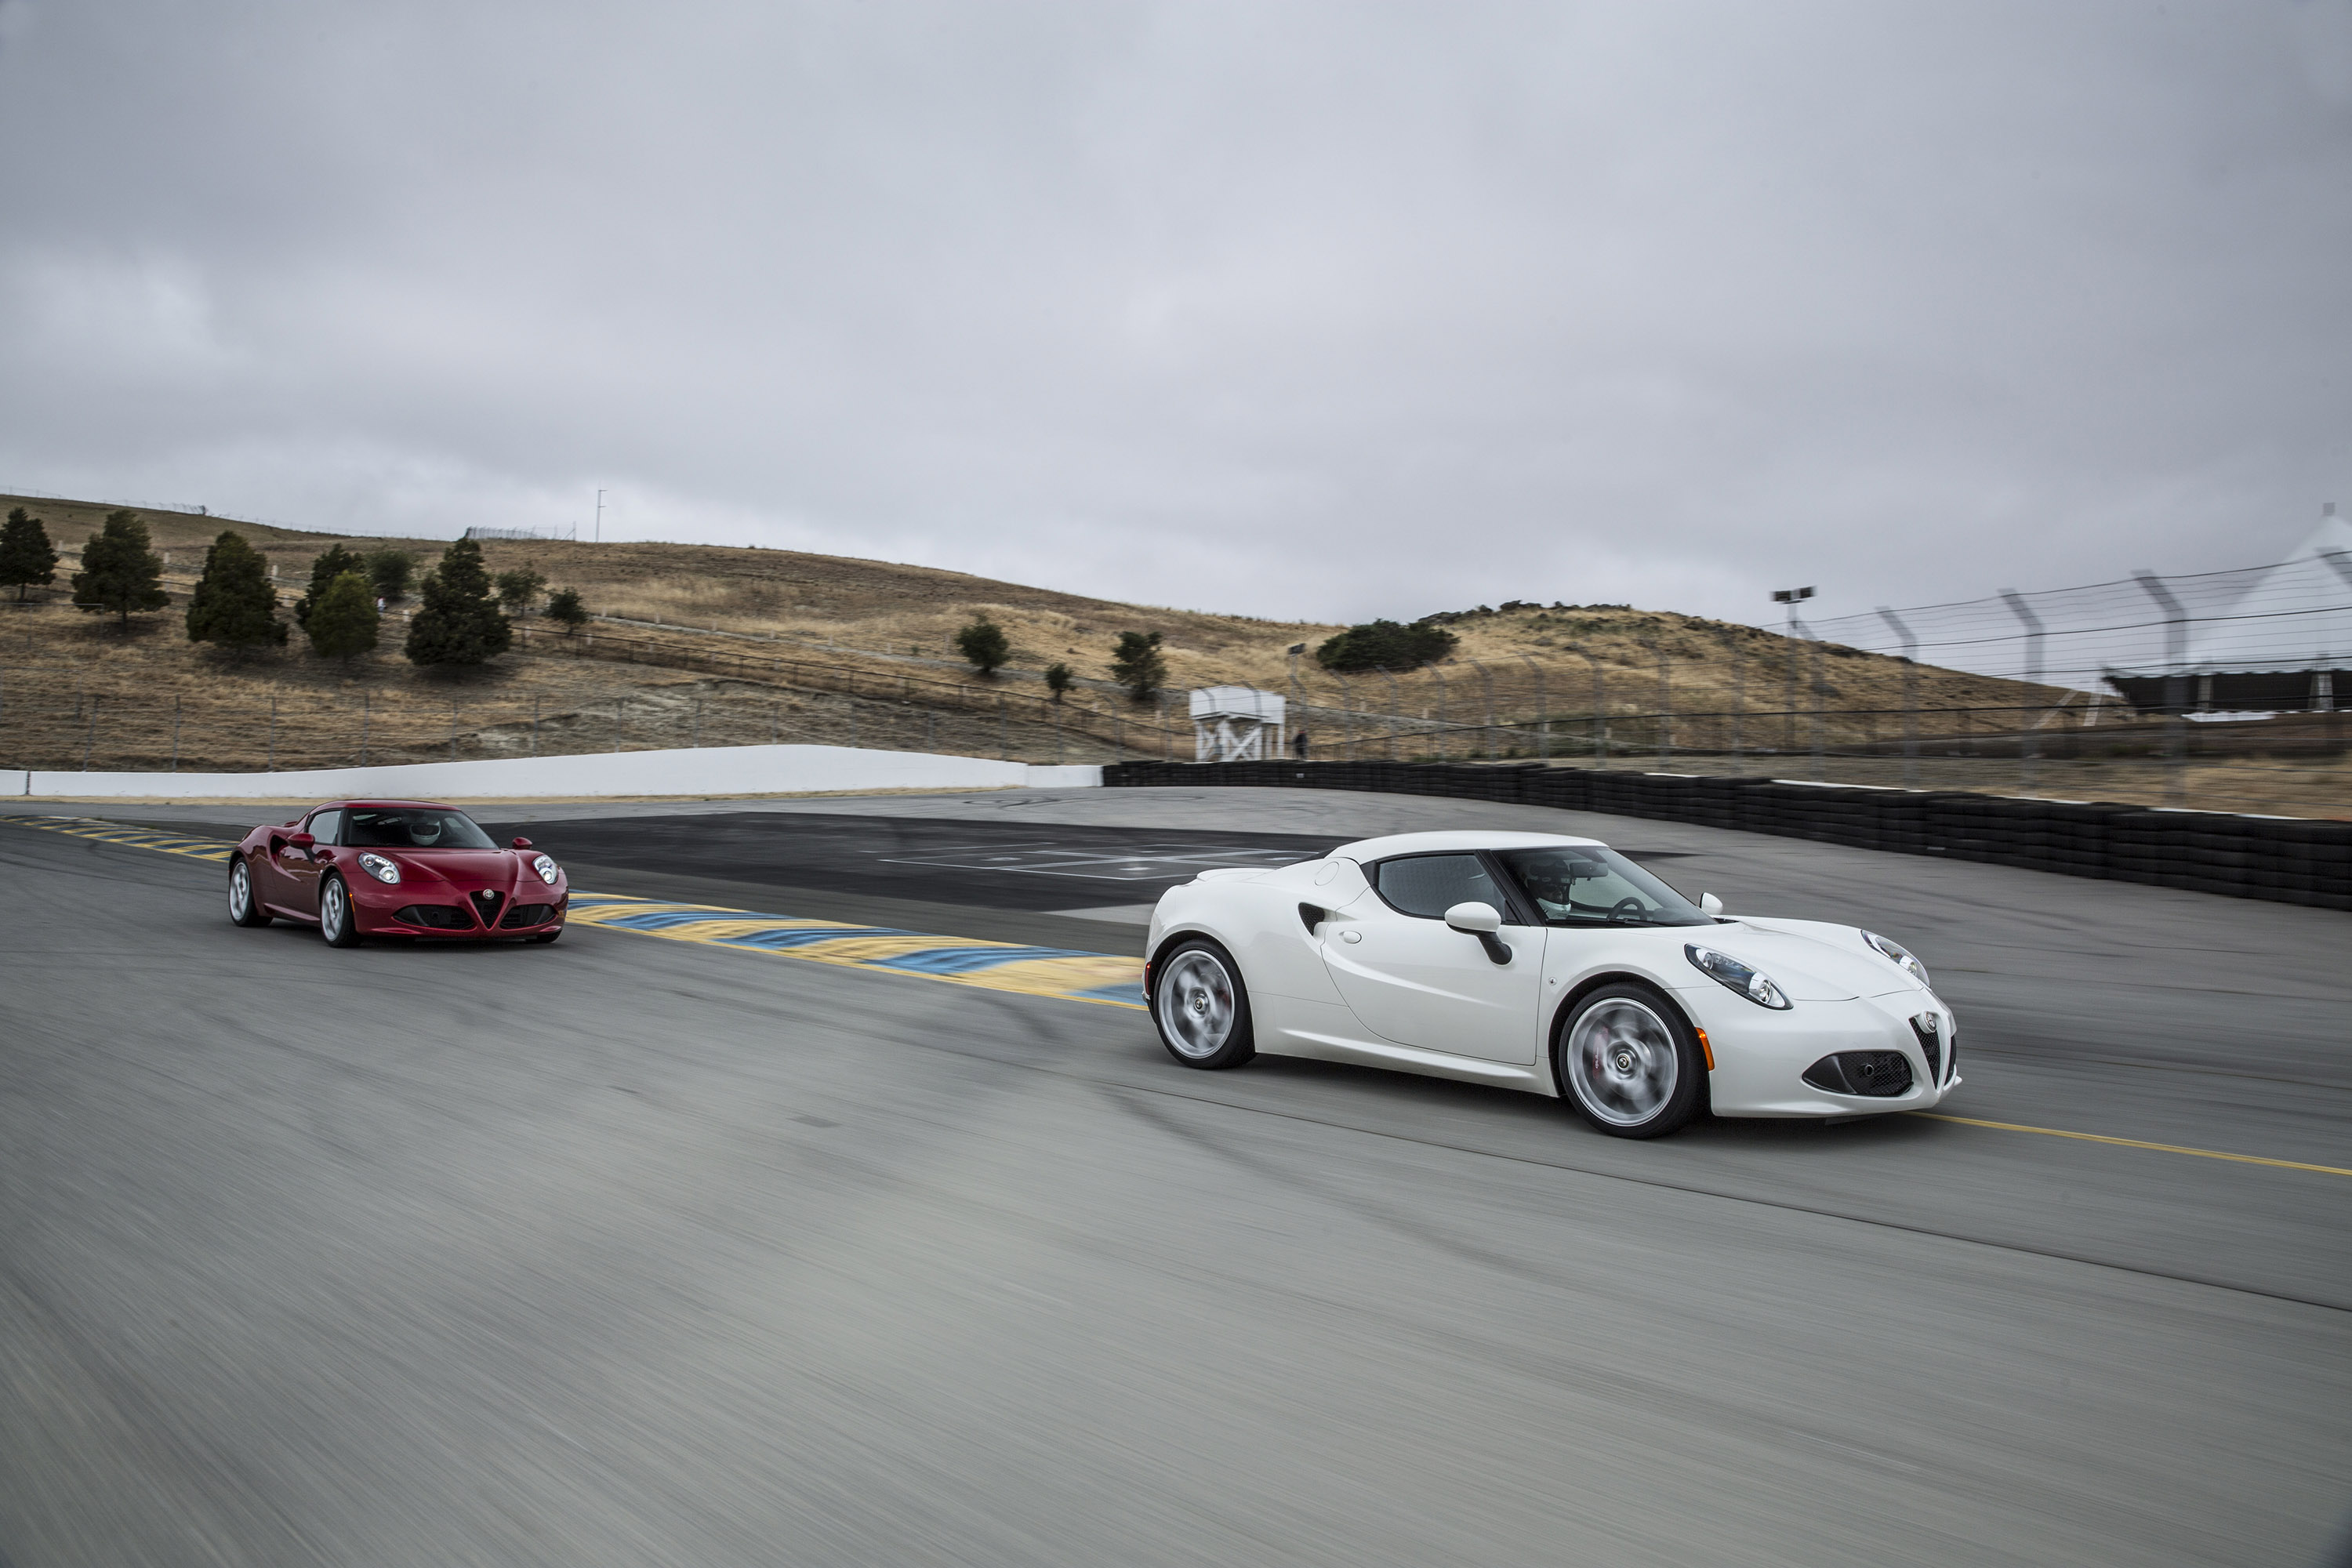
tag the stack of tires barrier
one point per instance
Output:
(2283, 860)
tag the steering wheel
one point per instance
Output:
(1627, 908)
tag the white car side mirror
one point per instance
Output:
(1481, 920)
(1709, 905)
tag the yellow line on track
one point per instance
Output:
(2138, 1143)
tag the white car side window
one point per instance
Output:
(1428, 885)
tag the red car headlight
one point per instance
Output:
(546, 869)
(382, 869)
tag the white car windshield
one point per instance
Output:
(1587, 885)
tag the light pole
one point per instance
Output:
(599, 518)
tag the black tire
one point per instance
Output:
(1200, 1006)
(1630, 1062)
(244, 909)
(338, 922)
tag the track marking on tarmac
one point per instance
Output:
(130, 837)
(2138, 1143)
(1103, 979)
(1065, 973)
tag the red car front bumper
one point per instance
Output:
(440, 908)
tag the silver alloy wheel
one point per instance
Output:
(332, 910)
(1621, 1061)
(1196, 1003)
(240, 893)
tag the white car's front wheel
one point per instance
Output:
(1632, 1063)
(1202, 1007)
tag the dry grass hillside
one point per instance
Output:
(749, 645)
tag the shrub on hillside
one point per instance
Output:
(234, 605)
(985, 646)
(344, 622)
(1059, 679)
(1385, 644)
(119, 570)
(27, 558)
(331, 563)
(565, 608)
(519, 590)
(390, 571)
(458, 622)
(1136, 664)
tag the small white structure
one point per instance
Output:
(1230, 724)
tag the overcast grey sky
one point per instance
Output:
(1322, 310)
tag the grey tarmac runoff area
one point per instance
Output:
(632, 1251)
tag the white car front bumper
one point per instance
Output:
(1761, 1054)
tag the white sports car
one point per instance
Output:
(1551, 964)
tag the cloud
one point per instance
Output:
(1294, 310)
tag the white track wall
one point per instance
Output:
(701, 770)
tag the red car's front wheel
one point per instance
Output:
(243, 906)
(337, 921)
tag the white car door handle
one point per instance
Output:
(1351, 936)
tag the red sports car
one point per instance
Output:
(359, 868)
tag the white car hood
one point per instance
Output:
(1807, 968)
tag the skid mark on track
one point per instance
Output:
(1103, 979)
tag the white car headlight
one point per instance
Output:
(1733, 975)
(382, 869)
(546, 869)
(1902, 959)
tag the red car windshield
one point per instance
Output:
(412, 828)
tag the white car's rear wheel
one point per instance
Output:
(1630, 1061)
(1201, 1006)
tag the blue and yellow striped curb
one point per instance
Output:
(1058, 972)
(1061, 972)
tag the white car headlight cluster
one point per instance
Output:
(382, 869)
(1902, 959)
(546, 869)
(1733, 975)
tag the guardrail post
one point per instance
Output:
(453, 729)
(1910, 696)
(89, 736)
(175, 734)
(2029, 736)
(364, 715)
(1600, 710)
(534, 726)
(1543, 712)
(1488, 682)
(698, 723)
(1393, 709)
(1445, 751)
(1666, 707)
(1738, 700)
(1004, 745)
(273, 732)
(2175, 684)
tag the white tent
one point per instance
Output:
(2284, 643)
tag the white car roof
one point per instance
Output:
(1369, 849)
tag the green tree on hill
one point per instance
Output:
(344, 622)
(331, 562)
(1384, 645)
(519, 589)
(234, 604)
(27, 558)
(565, 608)
(391, 571)
(1136, 664)
(983, 646)
(458, 622)
(1059, 679)
(119, 570)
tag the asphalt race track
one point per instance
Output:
(627, 1251)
